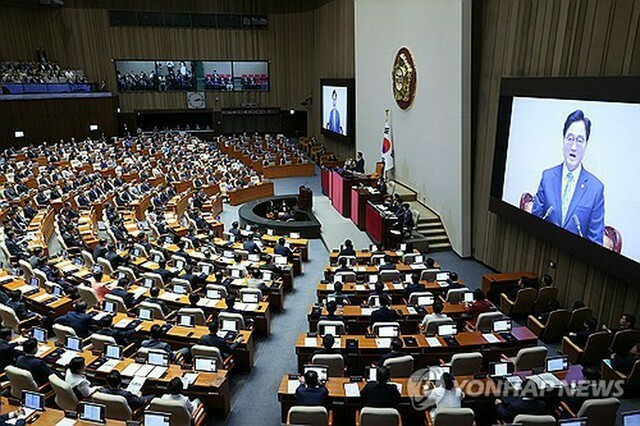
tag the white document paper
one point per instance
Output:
(365, 311)
(188, 379)
(398, 385)
(412, 310)
(135, 385)
(330, 287)
(100, 315)
(109, 365)
(351, 390)
(66, 422)
(123, 323)
(490, 338)
(398, 286)
(251, 307)
(292, 385)
(66, 358)
(131, 369)
(384, 342)
(144, 370)
(433, 342)
(310, 342)
(157, 372)
(360, 287)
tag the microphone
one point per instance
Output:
(577, 222)
(548, 212)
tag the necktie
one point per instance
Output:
(566, 196)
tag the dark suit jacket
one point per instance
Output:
(512, 406)
(38, 368)
(312, 396)
(412, 288)
(163, 306)
(127, 297)
(359, 166)
(380, 395)
(78, 321)
(134, 401)
(383, 314)
(20, 309)
(8, 353)
(387, 267)
(282, 250)
(215, 341)
(585, 215)
(390, 355)
(347, 252)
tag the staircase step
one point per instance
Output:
(437, 238)
(439, 247)
(431, 231)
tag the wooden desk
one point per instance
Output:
(359, 199)
(42, 302)
(50, 416)
(357, 318)
(179, 337)
(379, 225)
(364, 257)
(240, 196)
(291, 170)
(424, 355)
(41, 228)
(494, 284)
(295, 243)
(359, 293)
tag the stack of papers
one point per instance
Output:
(418, 266)
(310, 342)
(157, 372)
(352, 390)
(100, 315)
(188, 379)
(27, 413)
(360, 269)
(545, 381)
(330, 287)
(365, 311)
(490, 338)
(384, 342)
(443, 284)
(135, 385)
(433, 342)
(515, 382)
(123, 323)
(138, 292)
(209, 303)
(66, 422)
(292, 385)
(109, 365)
(66, 358)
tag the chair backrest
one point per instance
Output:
(485, 320)
(99, 340)
(545, 295)
(255, 291)
(129, 273)
(578, 317)
(351, 260)
(524, 301)
(624, 340)
(198, 313)
(401, 366)
(65, 398)
(601, 412)
(20, 380)
(339, 325)
(432, 325)
(531, 420)
(429, 274)
(208, 352)
(153, 253)
(334, 363)
(143, 250)
(454, 417)
(156, 278)
(633, 379)
(87, 258)
(222, 289)
(556, 326)
(370, 416)
(156, 310)
(530, 358)
(106, 266)
(180, 416)
(597, 348)
(9, 318)
(117, 407)
(414, 297)
(185, 283)
(88, 295)
(390, 275)
(229, 316)
(62, 331)
(26, 268)
(455, 295)
(120, 305)
(309, 416)
(466, 364)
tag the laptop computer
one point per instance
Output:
(205, 364)
(630, 418)
(186, 320)
(145, 314)
(322, 370)
(33, 400)
(109, 306)
(249, 298)
(113, 352)
(92, 412)
(158, 358)
(556, 363)
(73, 343)
(156, 419)
(40, 334)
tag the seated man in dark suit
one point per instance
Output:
(342, 266)
(310, 392)
(387, 265)
(235, 231)
(396, 351)
(114, 258)
(347, 249)
(121, 291)
(114, 381)
(327, 347)
(155, 340)
(8, 351)
(251, 246)
(509, 407)
(524, 282)
(13, 247)
(19, 307)
(154, 292)
(78, 319)
(414, 286)
(453, 281)
(331, 307)
(212, 339)
(581, 336)
(164, 272)
(230, 301)
(337, 295)
(122, 336)
(626, 322)
(100, 250)
(384, 313)
(380, 393)
(36, 366)
(282, 250)
(196, 280)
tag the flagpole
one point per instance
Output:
(387, 171)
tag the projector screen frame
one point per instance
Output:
(604, 89)
(350, 84)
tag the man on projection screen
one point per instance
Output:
(569, 196)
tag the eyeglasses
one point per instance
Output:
(572, 138)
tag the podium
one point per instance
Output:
(359, 198)
(305, 198)
(379, 226)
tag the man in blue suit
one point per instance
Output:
(569, 196)
(334, 116)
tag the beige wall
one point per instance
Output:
(547, 38)
(302, 46)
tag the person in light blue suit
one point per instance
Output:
(334, 116)
(569, 196)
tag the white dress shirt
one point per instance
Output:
(79, 382)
